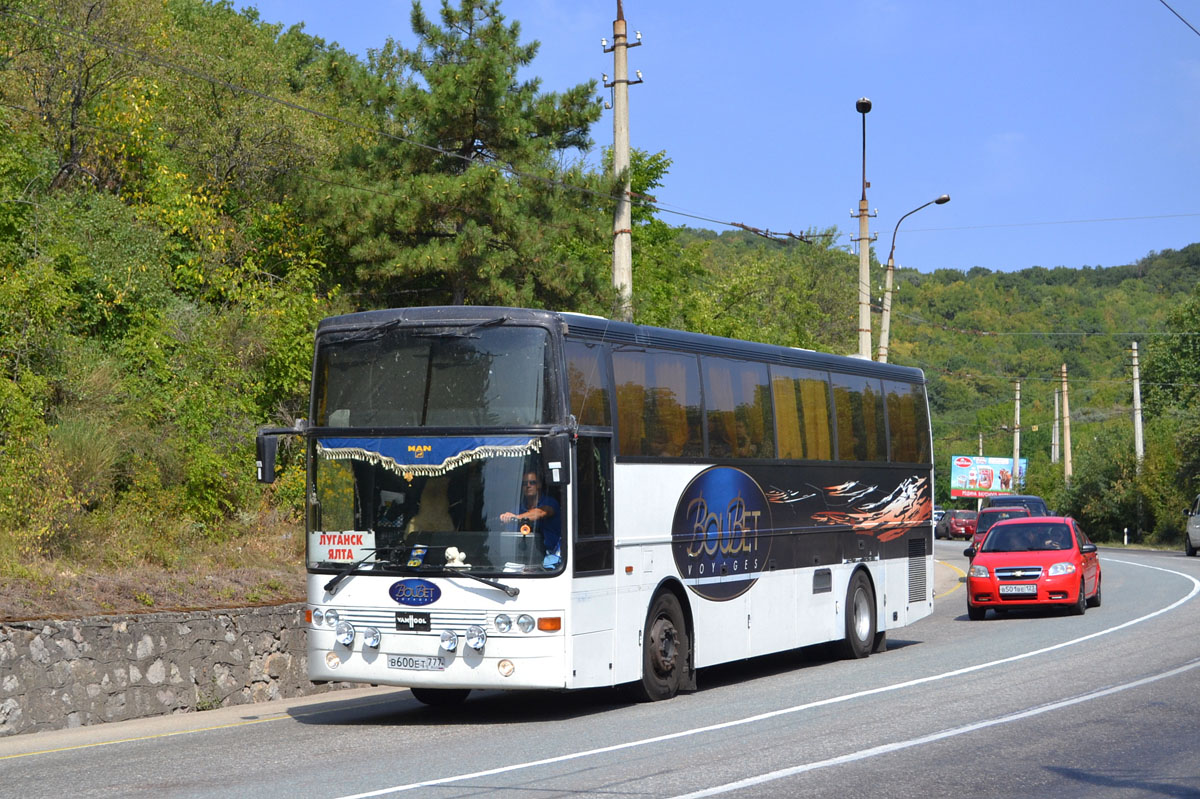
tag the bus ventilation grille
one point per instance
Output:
(916, 571)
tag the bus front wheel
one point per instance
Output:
(665, 651)
(860, 619)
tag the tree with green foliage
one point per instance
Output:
(461, 197)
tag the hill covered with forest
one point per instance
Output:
(185, 191)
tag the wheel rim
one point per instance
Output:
(862, 615)
(664, 640)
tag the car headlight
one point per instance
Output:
(1061, 568)
(450, 640)
(476, 637)
(372, 638)
(979, 571)
(503, 622)
(344, 633)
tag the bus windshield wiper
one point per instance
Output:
(464, 332)
(346, 570)
(508, 589)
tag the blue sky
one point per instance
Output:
(1065, 131)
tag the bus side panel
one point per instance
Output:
(644, 508)
(592, 615)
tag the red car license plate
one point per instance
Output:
(1019, 589)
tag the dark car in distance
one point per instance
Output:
(1034, 504)
(989, 516)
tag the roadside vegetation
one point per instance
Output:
(186, 190)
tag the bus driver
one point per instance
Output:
(540, 511)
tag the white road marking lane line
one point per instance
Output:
(937, 736)
(833, 700)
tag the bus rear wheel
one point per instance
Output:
(860, 619)
(665, 651)
(440, 697)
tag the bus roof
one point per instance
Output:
(599, 329)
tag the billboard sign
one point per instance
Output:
(980, 476)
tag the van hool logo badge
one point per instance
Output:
(415, 592)
(715, 535)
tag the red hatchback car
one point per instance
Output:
(1033, 562)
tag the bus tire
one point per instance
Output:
(860, 619)
(665, 651)
(440, 697)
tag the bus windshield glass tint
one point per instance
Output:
(439, 377)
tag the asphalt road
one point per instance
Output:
(1037, 704)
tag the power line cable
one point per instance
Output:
(1181, 19)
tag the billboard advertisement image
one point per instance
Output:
(980, 476)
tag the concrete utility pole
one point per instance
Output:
(864, 246)
(1016, 470)
(622, 215)
(1066, 415)
(1139, 447)
(1054, 433)
(979, 500)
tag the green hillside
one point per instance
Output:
(185, 191)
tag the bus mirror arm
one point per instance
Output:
(266, 445)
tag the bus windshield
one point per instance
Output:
(466, 376)
(435, 503)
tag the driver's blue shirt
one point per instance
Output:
(550, 527)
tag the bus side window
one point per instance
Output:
(861, 433)
(907, 425)
(587, 382)
(802, 413)
(658, 403)
(737, 402)
(593, 551)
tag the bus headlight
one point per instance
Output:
(450, 640)
(525, 622)
(317, 617)
(345, 633)
(476, 637)
(331, 618)
(371, 638)
(503, 623)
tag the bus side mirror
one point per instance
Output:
(265, 447)
(556, 454)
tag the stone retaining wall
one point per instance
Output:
(57, 674)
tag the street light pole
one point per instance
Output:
(885, 327)
(864, 246)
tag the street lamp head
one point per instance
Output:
(863, 105)
(945, 198)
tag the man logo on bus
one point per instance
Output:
(715, 534)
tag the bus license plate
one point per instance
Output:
(1024, 589)
(417, 662)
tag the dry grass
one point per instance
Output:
(263, 565)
